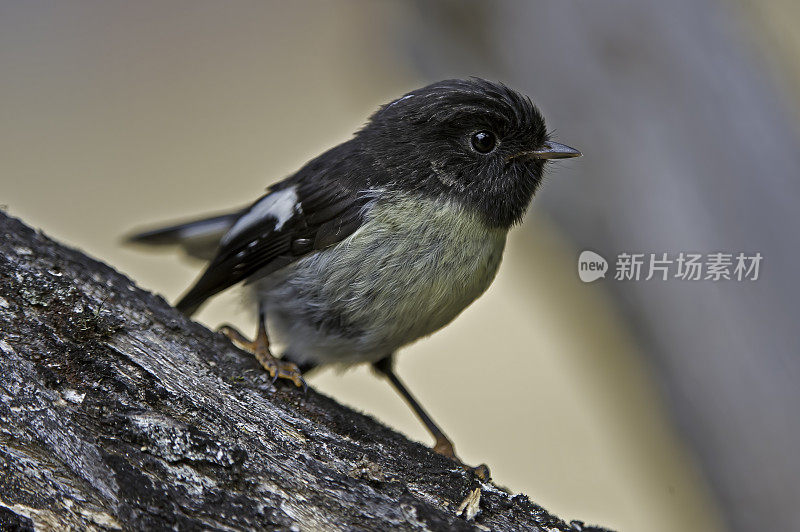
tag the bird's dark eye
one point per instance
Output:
(483, 141)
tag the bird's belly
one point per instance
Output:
(401, 276)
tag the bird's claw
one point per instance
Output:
(281, 369)
(481, 471)
(444, 447)
(277, 368)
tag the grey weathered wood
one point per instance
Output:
(118, 412)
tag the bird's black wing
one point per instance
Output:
(308, 212)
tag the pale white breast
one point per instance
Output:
(412, 268)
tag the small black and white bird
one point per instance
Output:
(382, 239)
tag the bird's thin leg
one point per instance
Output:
(277, 368)
(443, 444)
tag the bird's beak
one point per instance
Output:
(550, 150)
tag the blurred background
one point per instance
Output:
(647, 406)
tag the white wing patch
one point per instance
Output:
(204, 228)
(279, 206)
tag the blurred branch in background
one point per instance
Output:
(688, 147)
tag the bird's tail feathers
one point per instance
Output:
(199, 238)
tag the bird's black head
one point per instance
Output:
(470, 140)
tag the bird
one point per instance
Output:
(382, 239)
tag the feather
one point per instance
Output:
(316, 208)
(199, 238)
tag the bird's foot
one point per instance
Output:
(277, 368)
(444, 447)
(281, 369)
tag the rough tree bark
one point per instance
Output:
(118, 412)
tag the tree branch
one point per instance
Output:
(118, 412)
